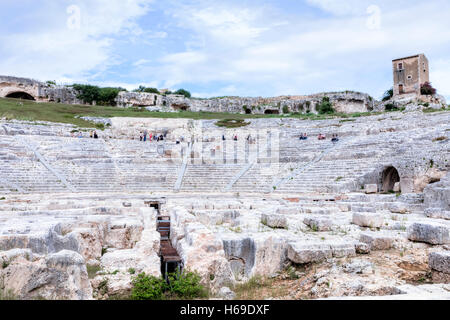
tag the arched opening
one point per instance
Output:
(272, 112)
(389, 178)
(248, 111)
(20, 95)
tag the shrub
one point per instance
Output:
(183, 92)
(148, 287)
(390, 107)
(87, 93)
(427, 89)
(326, 107)
(286, 109)
(187, 286)
(388, 94)
(103, 96)
(107, 96)
(147, 90)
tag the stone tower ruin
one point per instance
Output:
(409, 74)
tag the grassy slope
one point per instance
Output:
(63, 113)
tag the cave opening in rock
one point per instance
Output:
(390, 177)
(272, 112)
(180, 107)
(20, 95)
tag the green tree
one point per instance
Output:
(183, 92)
(388, 94)
(107, 96)
(87, 93)
(326, 107)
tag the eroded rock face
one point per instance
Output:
(432, 233)
(377, 240)
(200, 250)
(319, 223)
(274, 220)
(302, 253)
(368, 219)
(61, 275)
(440, 261)
(431, 176)
(437, 195)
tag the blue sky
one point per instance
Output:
(228, 47)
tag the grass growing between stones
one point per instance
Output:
(92, 271)
(258, 288)
(7, 295)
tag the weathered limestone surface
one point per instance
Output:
(224, 235)
(200, 249)
(319, 223)
(377, 240)
(368, 219)
(60, 275)
(440, 261)
(437, 195)
(274, 220)
(346, 102)
(432, 233)
(316, 252)
(371, 188)
(38, 90)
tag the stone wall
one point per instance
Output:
(347, 102)
(41, 92)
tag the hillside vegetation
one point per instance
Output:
(65, 113)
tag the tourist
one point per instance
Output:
(335, 138)
(140, 136)
(322, 137)
(223, 137)
(80, 135)
(91, 134)
(95, 135)
(235, 138)
(150, 137)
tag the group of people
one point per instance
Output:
(151, 137)
(93, 134)
(335, 137)
(79, 134)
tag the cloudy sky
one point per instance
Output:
(224, 47)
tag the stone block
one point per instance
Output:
(377, 240)
(431, 233)
(371, 188)
(440, 261)
(368, 219)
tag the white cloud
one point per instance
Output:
(306, 55)
(60, 53)
(440, 74)
(340, 7)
